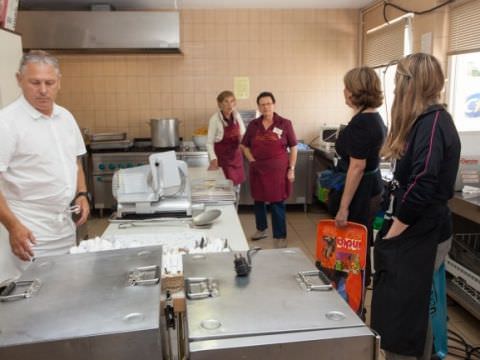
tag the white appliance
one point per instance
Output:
(328, 136)
(160, 188)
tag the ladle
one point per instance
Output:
(205, 218)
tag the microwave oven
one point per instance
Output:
(328, 136)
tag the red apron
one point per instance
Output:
(229, 155)
(268, 173)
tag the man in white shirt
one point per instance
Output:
(40, 170)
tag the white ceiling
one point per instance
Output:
(193, 4)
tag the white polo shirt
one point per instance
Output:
(38, 170)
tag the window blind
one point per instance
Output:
(464, 28)
(384, 44)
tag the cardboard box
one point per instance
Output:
(8, 14)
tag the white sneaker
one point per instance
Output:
(259, 234)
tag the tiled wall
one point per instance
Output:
(299, 55)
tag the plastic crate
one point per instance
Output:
(466, 250)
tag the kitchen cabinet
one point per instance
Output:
(11, 50)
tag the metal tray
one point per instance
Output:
(114, 144)
(108, 136)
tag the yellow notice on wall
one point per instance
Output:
(241, 87)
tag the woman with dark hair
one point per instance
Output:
(424, 146)
(272, 167)
(358, 146)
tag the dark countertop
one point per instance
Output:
(466, 205)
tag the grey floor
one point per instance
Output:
(301, 229)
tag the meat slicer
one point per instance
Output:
(159, 189)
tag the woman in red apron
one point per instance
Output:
(225, 130)
(272, 168)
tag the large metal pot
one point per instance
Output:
(164, 133)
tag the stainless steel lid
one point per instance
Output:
(84, 295)
(271, 300)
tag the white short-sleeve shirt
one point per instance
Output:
(38, 155)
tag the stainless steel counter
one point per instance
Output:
(226, 226)
(270, 314)
(85, 309)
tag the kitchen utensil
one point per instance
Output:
(164, 133)
(204, 219)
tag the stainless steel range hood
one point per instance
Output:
(100, 31)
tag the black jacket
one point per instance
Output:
(427, 171)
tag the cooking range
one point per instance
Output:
(105, 161)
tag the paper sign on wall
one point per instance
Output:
(241, 86)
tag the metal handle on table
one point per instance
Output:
(201, 288)
(32, 286)
(317, 273)
(144, 275)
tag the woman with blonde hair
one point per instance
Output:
(424, 147)
(225, 131)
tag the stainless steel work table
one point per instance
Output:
(226, 226)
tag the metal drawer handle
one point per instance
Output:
(201, 288)
(144, 275)
(32, 286)
(303, 275)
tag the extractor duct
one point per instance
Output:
(100, 31)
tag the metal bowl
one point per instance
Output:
(200, 141)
